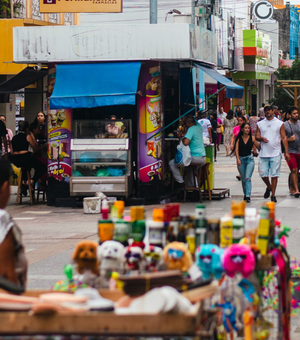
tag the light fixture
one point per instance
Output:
(172, 11)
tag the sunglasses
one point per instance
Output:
(203, 257)
(175, 254)
(236, 256)
(153, 255)
(129, 255)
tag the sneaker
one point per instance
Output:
(273, 199)
(248, 200)
(244, 199)
(267, 193)
(239, 178)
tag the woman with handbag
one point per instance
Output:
(243, 146)
(215, 132)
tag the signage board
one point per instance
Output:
(81, 6)
(262, 11)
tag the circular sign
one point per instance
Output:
(253, 90)
(263, 10)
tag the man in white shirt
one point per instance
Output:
(206, 126)
(270, 132)
(222, 115)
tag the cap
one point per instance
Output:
(267, 107)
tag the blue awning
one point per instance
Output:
(232, 89)
(95, 84)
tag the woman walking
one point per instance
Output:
(243, 146)
(229, 123)
(214, 132)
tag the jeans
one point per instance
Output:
(176, 169)
(27, 160)
(246, 170)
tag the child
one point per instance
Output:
(13, 263)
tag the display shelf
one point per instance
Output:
(103, 163)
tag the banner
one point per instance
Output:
(59, 137)
(150, 121)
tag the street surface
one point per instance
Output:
(50, 234)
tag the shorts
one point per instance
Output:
(269, 166)
(294, 162)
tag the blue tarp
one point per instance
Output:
(95, 84)
(232, 89)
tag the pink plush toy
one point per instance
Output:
(238, 258)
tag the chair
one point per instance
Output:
(41, 189)
(200, 178)
(26, 173)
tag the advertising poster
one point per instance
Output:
(150, 121)
(59, 137)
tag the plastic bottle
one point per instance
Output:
(200, 225)
(225, 231)
(263, 230)
(137, 213)
(138, 230)
(121, 206)
(175, 217)
(271, 206)
(105, 230)
(155, 232)
(250, 224)
(122, 231)
(105, 209)
(238, 220)
(213, 231)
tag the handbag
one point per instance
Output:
(183, 155)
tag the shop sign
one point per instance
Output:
(81, 6)
(150, 157)
(59, 136)
(262, 11)
(253, 90)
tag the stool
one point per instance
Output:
(196, 179)
(200, 178)
(21, 182)
(41, 189)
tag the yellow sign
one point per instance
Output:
(81, 6)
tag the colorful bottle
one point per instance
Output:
(122, 231)
(238, 220)
(137, 213)
(105, 230)
(105, 209)
(138, 230)
(263, 230)
(213, 231)
(225, 231)
(200, 225)
(121, 206)
(251, 224)
(155, 232)
(271, 206)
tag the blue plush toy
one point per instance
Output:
(228, 314)
(209, 260)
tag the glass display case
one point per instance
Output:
(101, 158)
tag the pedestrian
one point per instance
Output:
(261, 112)
(286, 116)
(244, 114)
(3, 149)
(229, 123)
(193, 138)
(253, 120)
(242, 149)
(240, 121)
(215, 125)
(206, 126)
(292, 130)
(222, 115)
(9, 137)
(270, 132)
(238, 111)
(276, 112)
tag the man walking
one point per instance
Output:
(292, 130)
(270, 132)
(222, 115)
(206, 126)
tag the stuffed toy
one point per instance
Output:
(85, 255)
(238, 258)
(110, 256)
(177, 256)
(209, 260)
(154, 258)
(134, 257)
(228, 314)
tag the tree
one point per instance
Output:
(281, 98)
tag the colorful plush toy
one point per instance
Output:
(238, 258)
(209, 260)
(154, 258)
(177, 256)
(228, 314)
(85, 255)
(134, 257)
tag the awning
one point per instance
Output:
(232, 89)
(95, 84)
(24, 78)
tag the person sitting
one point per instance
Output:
(23, 146)
(13, 263)
(9, 136)
(193, 138)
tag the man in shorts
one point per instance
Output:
(270, 132)
(292, 130)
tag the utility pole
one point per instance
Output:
(153, 11)
(193, 12)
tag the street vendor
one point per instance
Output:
(194, 138)
(13, 263)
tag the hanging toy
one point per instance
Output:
(69, 284)
(247, 289)
(238, 258)
(209, 260)
(228, 314)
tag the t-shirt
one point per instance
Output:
(205, 123)
(222, 116)
(261, 113)
(270, 129)
(237, 129)
(195, 135)
(293, 129)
